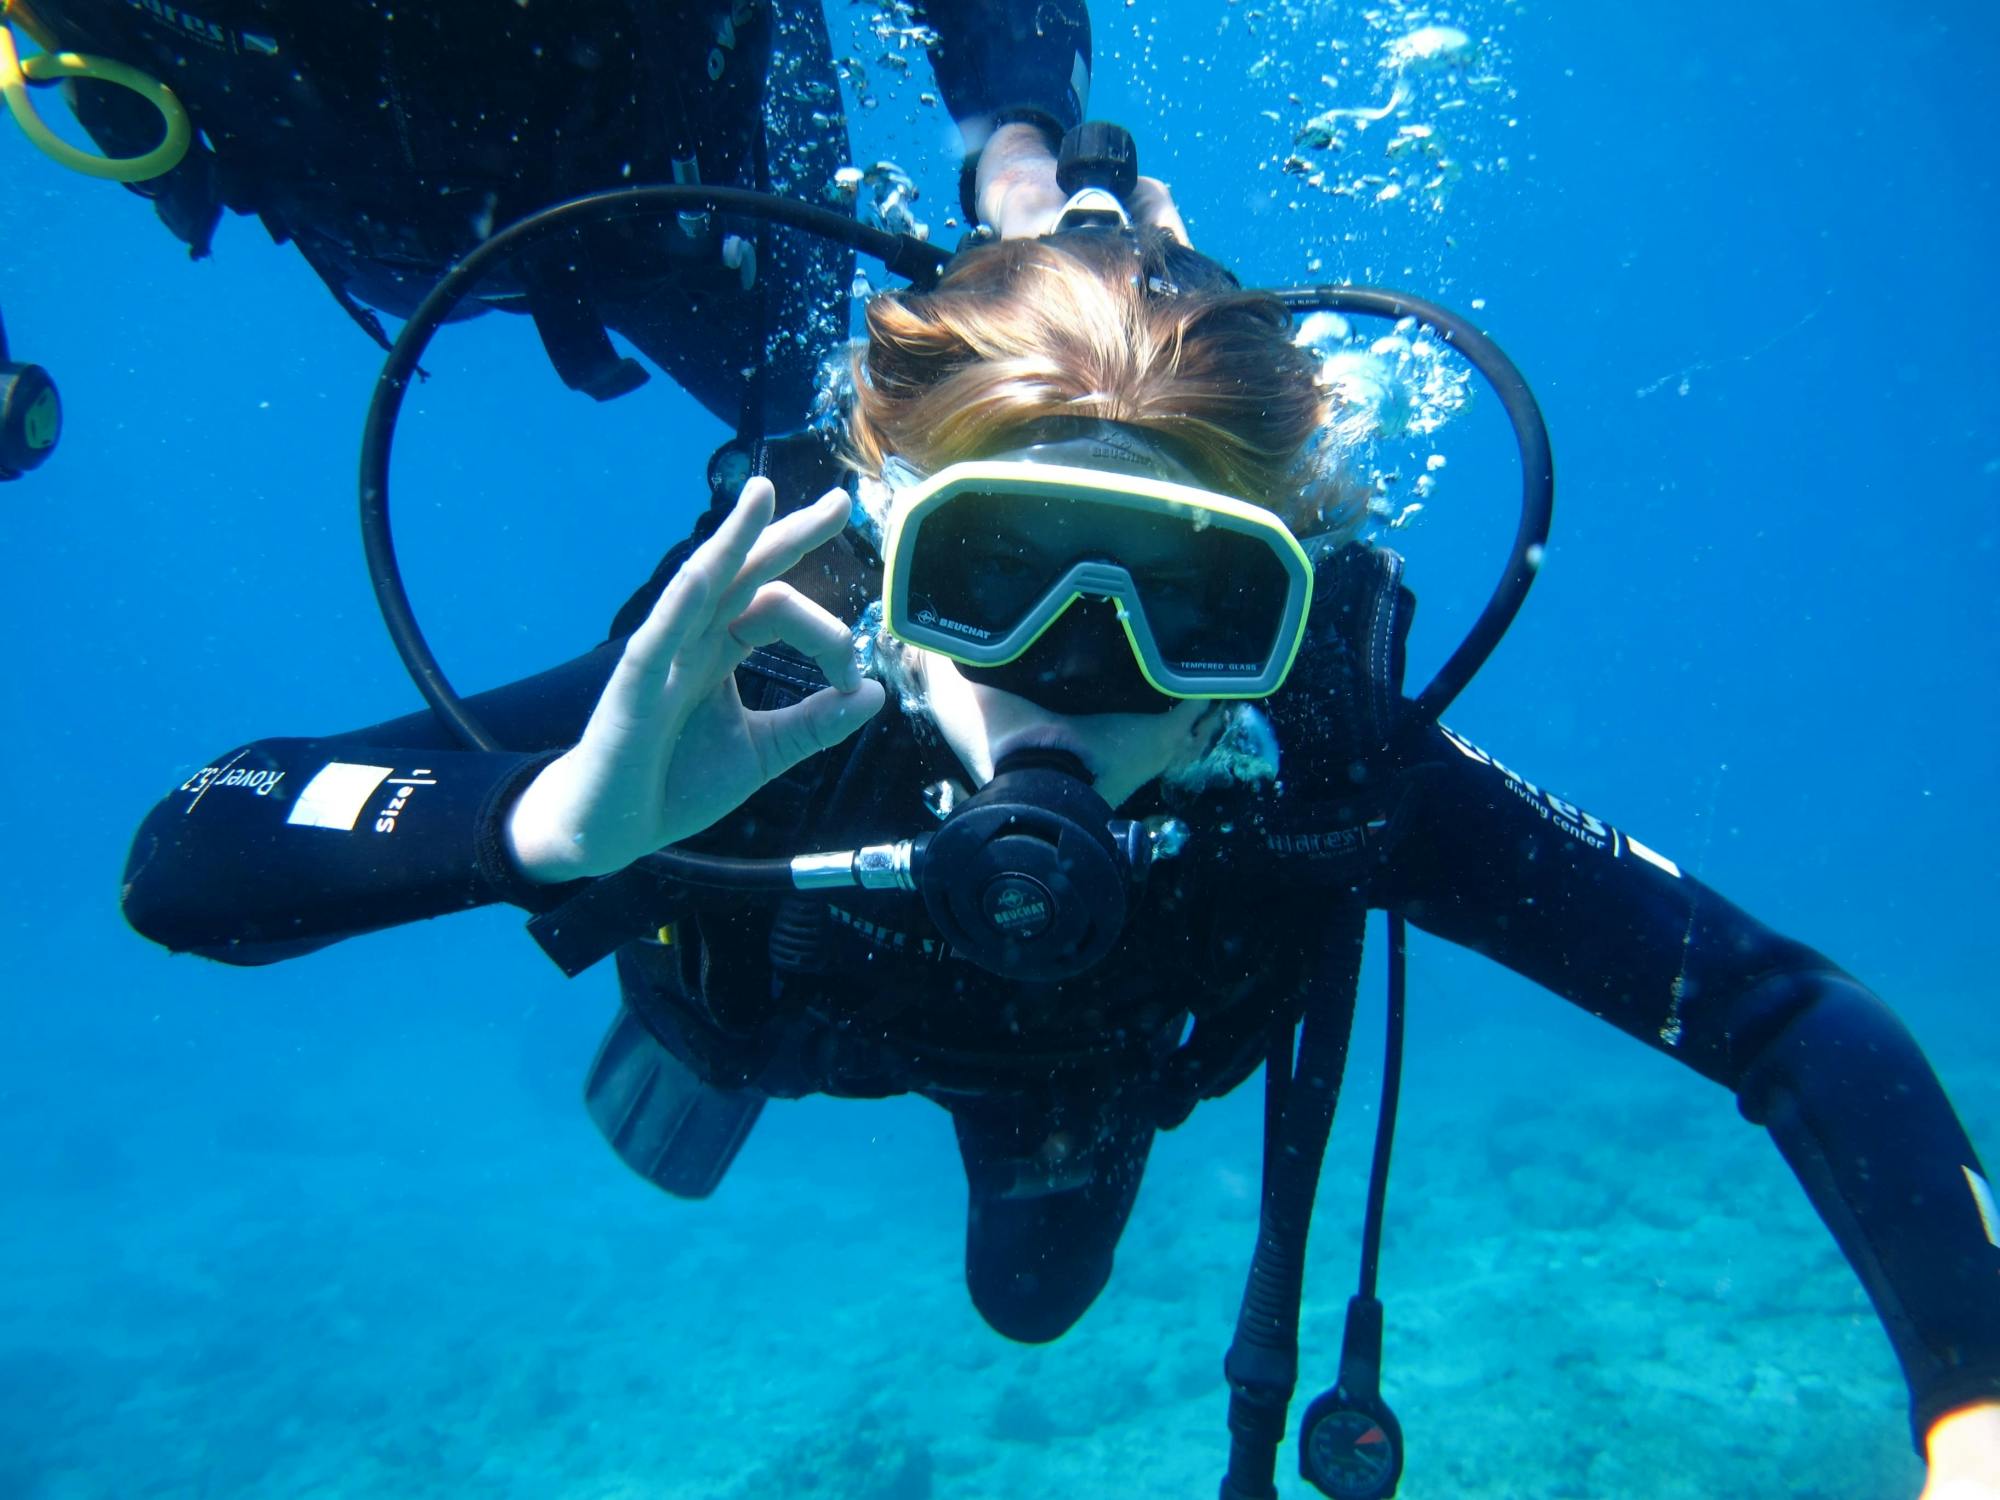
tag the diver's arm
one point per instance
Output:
(997, 61)
(287, 845)
(1481, 856)
(1015, 75)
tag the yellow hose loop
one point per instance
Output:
(17, 11)
(46, 67)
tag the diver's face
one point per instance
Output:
(1083, 653)
(1122, 752)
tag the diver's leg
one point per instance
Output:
(1048, 1202)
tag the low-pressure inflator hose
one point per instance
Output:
(16, 75)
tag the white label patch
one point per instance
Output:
(334, 798)
(1652, 857)
(1567, 816)
(1982, 1199)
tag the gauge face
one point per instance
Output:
(1353, 1456)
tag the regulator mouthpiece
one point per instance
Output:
(1031, 876)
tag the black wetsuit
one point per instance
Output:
(387, 139)
(1056, 1091)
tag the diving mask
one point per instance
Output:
(984, 558)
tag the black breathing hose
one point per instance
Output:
(1385, 1127)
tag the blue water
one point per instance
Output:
(340, 1227)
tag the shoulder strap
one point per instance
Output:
(1382, 612)
(1341, 701)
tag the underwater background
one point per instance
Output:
(341, 1227)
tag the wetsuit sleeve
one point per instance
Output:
(287, 845)
(1011, 59)
(1480, 855)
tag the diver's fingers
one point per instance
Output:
(723, 555)
(779, 612)
(633, 693)
(785, 543)
(1152, 202)
(688, 603)
(786, 736)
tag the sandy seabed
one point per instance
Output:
(1600, 1282)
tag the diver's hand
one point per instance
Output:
(670, 748)
(1017, 193)
(1964, 1450)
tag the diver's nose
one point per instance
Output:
(1087, 641)
(1082, 665)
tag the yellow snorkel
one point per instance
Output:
(47, 66)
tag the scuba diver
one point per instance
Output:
(385, 142)
(1066, 660)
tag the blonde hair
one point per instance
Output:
(1024, 329)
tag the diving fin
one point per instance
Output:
(674, 1130)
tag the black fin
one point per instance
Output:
(677, 1132)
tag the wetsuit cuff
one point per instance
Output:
(498, 873)
(1947, 1396)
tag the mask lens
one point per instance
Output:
(1219, 608)
(1213, 597)
(975, 572)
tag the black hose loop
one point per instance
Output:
(903, 255)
